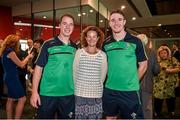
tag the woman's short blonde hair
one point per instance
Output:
(161, 48)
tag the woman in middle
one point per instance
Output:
(89, 71)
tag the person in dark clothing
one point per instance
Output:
(1, 79)
(10, 61)
(147, 80)
(175, 52)
(31, 64)
(22, 71)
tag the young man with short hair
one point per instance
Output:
(124, 52)
(53, 71)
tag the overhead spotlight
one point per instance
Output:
(21, 29)
(44, 17)
(159, 25)
(83, 13)
(101, 21)
(133, 18)
(79, 14)
(123, 7)
(91, 11)
(165, 30)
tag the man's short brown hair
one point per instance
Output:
(119, 12)
(66, 15)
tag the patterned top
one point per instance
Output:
(164, 83)
(89, 72)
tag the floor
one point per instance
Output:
(29, 112)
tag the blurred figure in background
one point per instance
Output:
(31, 64)
(175, 51)
(147, 80)
(166, 82)
(1, 78)
(10, 61)
(22, 71)
(30, 45)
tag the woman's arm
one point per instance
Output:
(12, 55)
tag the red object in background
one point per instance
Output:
(6, 22)
(44, 32)
(7, 26)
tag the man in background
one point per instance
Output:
(147, 80)
(30, 45)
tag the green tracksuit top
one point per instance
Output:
(57, 62)
(123, 57)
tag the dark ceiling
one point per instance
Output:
(159, 8)
(163, 7)
(166, 31)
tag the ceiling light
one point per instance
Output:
(37, 25)
(165, 30)
(123, 7)
(44, 17)
(79, 14)
(90, 11)
(21, 29)
(101, 21)
(84, 13)
(168, 33)
(159, 24)
(133, 18)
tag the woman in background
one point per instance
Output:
(90, 68)
(166, 82)
(10, 61)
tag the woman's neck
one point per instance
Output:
(91, 50)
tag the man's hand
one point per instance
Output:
(35, 100)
